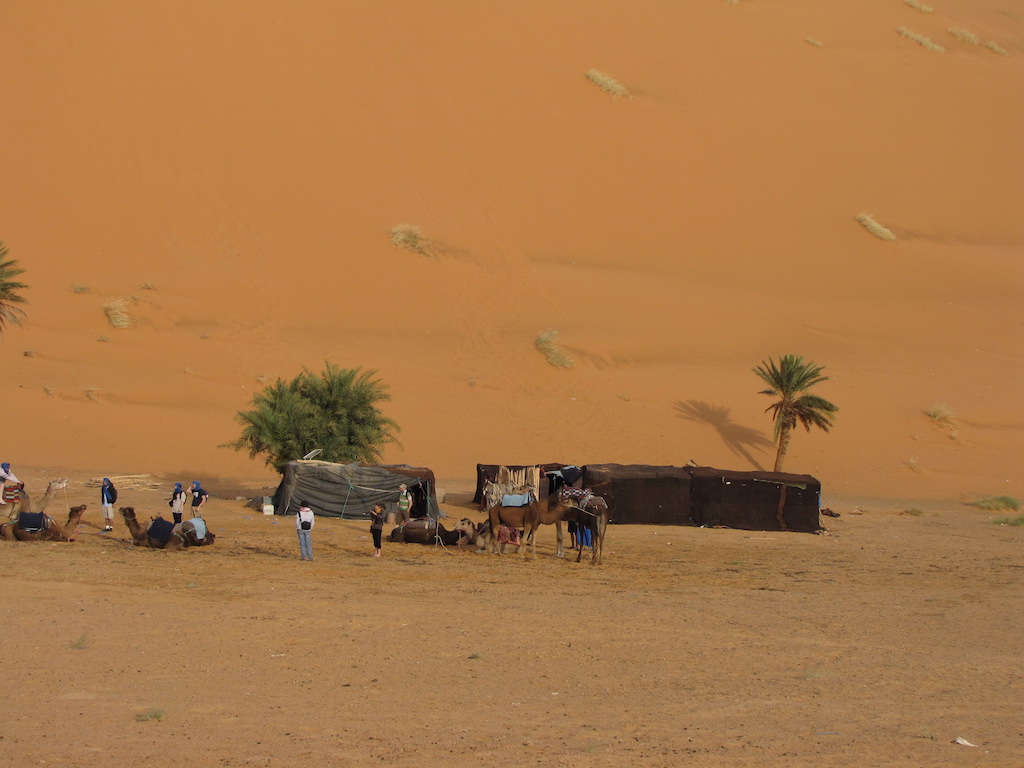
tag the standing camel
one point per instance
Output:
(157, 535)
(39, 526)
(589, 510)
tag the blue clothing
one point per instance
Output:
(305, 544)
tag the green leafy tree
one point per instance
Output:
(789, 381)
(10, 296)
(335, 411)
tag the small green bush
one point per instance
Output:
(919, 6)
(77, 288)
(941, 414)
(996, 48)
(150, 714)
(1017, 521)
(996, 503)
(964, 34)
(410, 238)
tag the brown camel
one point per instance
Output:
(162, 534)
(423, 530)
(39, 526)
(592, 512)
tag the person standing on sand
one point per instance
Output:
(404, 503)
(177, 502)
(108, 497)
(304, 520)
(377, 526)
(11, 485)
(199, 497)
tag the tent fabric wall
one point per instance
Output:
(351, 490)
(706, 496)
(639, 494)
(750, 500)
(489, 473)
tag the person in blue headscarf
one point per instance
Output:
(108, 496)
(11, 486)
(199, 497)
(177, 502)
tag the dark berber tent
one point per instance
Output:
(755, 501)
(351, 490)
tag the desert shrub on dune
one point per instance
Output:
(789, 380)
(919, 6)
(941, 414)
(10, 290)
(996, 48)
(410, 238)
(964, 34)
(921, 40)
(335, 411)
(814, 41)
(996, 503)
(608, 83)
(868, 222)
(117, 313)
(547, 344)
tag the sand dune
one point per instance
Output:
(234, 172)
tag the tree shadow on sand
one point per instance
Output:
(737, 438)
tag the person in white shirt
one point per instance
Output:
(304, 521)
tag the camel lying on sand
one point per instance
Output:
(423, 530)
(162, 534)
(590, 512)
(39, 526)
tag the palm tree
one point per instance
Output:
(335, 411)
(10, 297)
(789, 381)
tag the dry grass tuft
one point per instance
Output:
(548, 346)
(911, 463)
(814, 41)
(964, 34)
(996, 503)
(410, 238)
(51, 392)
(118, 314)
(921, 40)
(76, 288)
(150, 714)
(919, 6)
(147, 287)
(993, 46)
(91, 394)
(608, 83)
(872, 226)
(941, 415)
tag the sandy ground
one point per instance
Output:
(877, 644)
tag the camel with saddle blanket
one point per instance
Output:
(39, 526)
(163, 534)
(529, 514)
(424, 530)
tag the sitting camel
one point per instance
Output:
(423, 530)
(163, 534)
(475, 534)
(588, 510)
(39, 526)
(24, 502)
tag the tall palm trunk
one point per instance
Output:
(785, 433)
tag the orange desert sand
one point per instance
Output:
(232, 170)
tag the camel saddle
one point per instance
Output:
(32, 522)
(160, 530)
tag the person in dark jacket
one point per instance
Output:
(199, 498)
(377, 526)
(108, 497)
